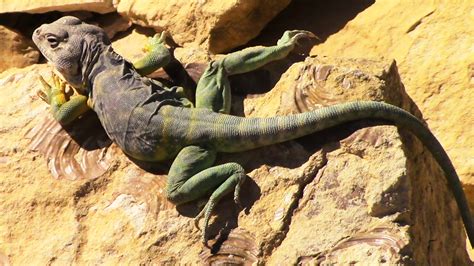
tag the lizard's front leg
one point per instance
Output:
(157, 55)
(64, 108)
(191, 177)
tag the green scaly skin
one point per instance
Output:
(152, 122)
(157, 55)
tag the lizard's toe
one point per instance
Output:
(204, 242)
(292, 37)
(197, 219)
(42, 95)
(241, 180)
(237, 196)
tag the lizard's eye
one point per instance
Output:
(53, 41)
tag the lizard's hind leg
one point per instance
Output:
(191, 177)
(252, 58)
(213, 89)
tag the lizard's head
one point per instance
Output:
(71, 46)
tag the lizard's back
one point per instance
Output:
(127, 105)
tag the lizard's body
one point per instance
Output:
(131, 123)
(151, 122)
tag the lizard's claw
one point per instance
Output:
(237, 193)
(197, 219)
(292, 37)
(43, 96)
(206, 214)
(202, 204)
(163, 36)
(59, 84)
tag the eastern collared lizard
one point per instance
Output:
(151, 122)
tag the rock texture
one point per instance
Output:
(433, 45)
(217, 25)
(348, 195)
(17, 51)
(42, 6)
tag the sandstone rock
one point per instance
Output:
(192, 59)
(217, 25)
(17, 51)
(131, 43)
(365, 195)
(137, 37)
(32, 6)
(433, 45)
(4, 261)
(113, 24)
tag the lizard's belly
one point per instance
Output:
(140, 136)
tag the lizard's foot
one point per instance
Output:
(291, 37)
(155, 41)
(204, 204)
(209, 207)
(58, 85)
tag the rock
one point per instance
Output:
(135, 37)
(138, 36)
(370, 195)
(113, 24)
(192, 59)
(4, 261)
(216, 25)
(24, 24)
(17, 51)
(433, 46)
(32, 6)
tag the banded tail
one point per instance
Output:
(232, 134)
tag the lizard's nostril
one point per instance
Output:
(37, 31)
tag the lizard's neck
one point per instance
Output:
(105, 60)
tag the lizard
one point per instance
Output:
(152, 122)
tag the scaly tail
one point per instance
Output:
(237, 134)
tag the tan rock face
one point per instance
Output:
(344, 195)
(17, 51)
(217, 25)
(433, 45)
(42, 6)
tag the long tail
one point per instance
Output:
(230, 134)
